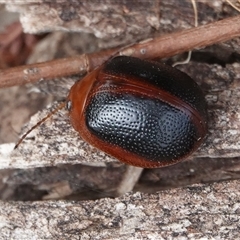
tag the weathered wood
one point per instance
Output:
(200, 211)
(123, 21)
(220, 84)
(210, 211)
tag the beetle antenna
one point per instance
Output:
(59, 107)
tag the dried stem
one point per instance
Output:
(164, 46)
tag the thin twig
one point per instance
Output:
(234, 6)
(186, 61)
(164, 46)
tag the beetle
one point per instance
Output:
(144, 113)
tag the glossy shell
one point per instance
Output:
(143, 113)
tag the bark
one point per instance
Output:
(55, 162)
(199, 211)
(124, 22)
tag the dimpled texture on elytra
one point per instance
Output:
(147, 127)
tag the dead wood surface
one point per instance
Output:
(51, 157)
(124, 21)
(196, 212)
(220, 83)
(218, 78)
(223, 140)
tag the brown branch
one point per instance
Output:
(165, 46)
